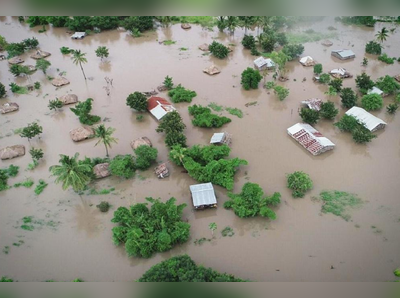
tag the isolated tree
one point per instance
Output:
(32, 130)
(137, 101)
(145, 156)
(43, 65)
(349, 98)
(36, 154)
(372, 102)
(373, 47)
(3, 91)
(309, 116)
(382, 35)
(212, 226)
(250, 78)
(168, 83)
(221, 23)
(71, 173)
(248, 41)
(318, 69)
(364, 83)
(392, 108)
(231, 23)
(280, 58)
(328, 110)
(78, 58)
(218, 50)
(299, 182)
(281, 92)
(102, 52)
(336, 84)
(18, 70)
(105, 136)
(55, 104)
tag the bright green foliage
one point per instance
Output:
(40, 187)
(208, 163)
(15, 49)
(3, 91)
(6, 279)
(318, 69)
(235, 111)
(336, 84)
(78, 280)
(180, 94)
(349, 98)
(397, 272)
(338, 203)
(82, 110)
(3, 43)
(382, 35)
(27, 183)
(212, 226)
(361, 135)
(309, 116)
(203, 117)
(388, 85)
(140, 23)
(105, 22)
(293, 50)
(78, 57)
(58, 21)
(250, 78)
(123, 166)
(66, 50)
(18, 89)
(252, 202)
(328, 110)
(146, 231)
(324, 78)
(249, 41)
(184, 269)
(347, 123)
(372, 102)
(43, 65)
(55, 104)
(373, 47)
(392, 108)
(137, 101)
(105, 136)
(299, 182)
(173, 127)
(32, 130)
(364, 83)
(168, 83)
(145, 156)
(102, 52)
(36, 154)
(79, 23)
(280, 58)
(216, 107)
(218, 50)
(104, 206)
(270, 85)
(3, 180)
(12, 171)
(281, 92)
(18, 70)
(72, 173)
(36, 85)
(386, 59)
(34, 21)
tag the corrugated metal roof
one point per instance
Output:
(375, 90)
(203, 194)
(158, 112)
(261, 62)
(306, 60)
(368, 120)
(345, 53)
(313, 103)
(217, 137)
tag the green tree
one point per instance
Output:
(36, 154)
(3, 91)
(364, 83)
(123, 166)
(324, 78)
(336, 84)
(137, 101)
(71, 173)
(105, 136)
(318, 69)
(145, 156)
(280, 58)
(212, 226)
(373, 47)
(372, 102)
(78, 58)
(231, 23)
(218, 50)
(173, 127)
(328, 110)
(388, 85)
(293, 50)
(309, 116)
(348, 98)
(392, 108)
(382, 35)
(221, 23)
(34, 21)
(362, 135)
(181, 94)
(246, 22)
(139, 23)
(299, 182)
(55, 104)
(347, 123)
(248, 41)
(203, 117)
(281, 92)
(18, 70)
(58, 21)
(102, 52)
(82, 110)
(168, 83)
(250, 78)
(43, 65)
(32, 130)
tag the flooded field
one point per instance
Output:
(302, 244)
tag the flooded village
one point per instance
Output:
(343, 226)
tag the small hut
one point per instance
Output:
(68, 99)
(368, 120)
(376, 90)
(9, 107)
(159, 107)
(313, 103)
(327, 43)
(203, 196)
(161, 171)
(59, 81)
(81, 133)
(204, 47)
(343, 54)
(307, 61)
(101, 170)
(340, 73)
(12, 152)
(220, 138)
(40, 54)
(212, 70)
(16, 60)
(140, 142)
(262, 63)
(186, 26)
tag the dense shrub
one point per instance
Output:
(203, 117)
(249, 41)
(79, 23)
(123, 166)
(324, 78)
(299, 182)
(368, 21)
(180, 94)
(105, 22)
(318, 69)
(359, 132)
(336, 84)
(140, 23)
(309, 116)
(218, 50)
(250, 78)
(32, 130)
(103, 206)
(173, 127)
(34, 21)
(328, 110)
(388, 85)
(102, 52)
(362, 135)
(145, 156)
(386, 59)
(347, 123)
(372, 102)
(373, 47)
(168, 83)
(18, 70)
(364, 83)
(31, 43)
(293, 50)
(15, 49)
(137, 101)
(146, 231)
(66, 50)
(3, 91)
(348, 98)
(281, 92)
(392, 108)
(58, 21)
(82, 110)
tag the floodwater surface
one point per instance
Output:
(302, 244)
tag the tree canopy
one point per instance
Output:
(137, 101)
(82, 110)
(180, 94)
(173, 127)
(203, 117)
(218, 50)
(250, 78)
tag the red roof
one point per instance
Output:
(155, 101)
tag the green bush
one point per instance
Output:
(373, 47)
(18, 70)
(362, 135)
(324, 78)
(6, 279)
(140, 23)
(388, 85)
(338, 203)
(203, 117)
(392, 108)
(364, 83)
(168, 83)
(397, 272)
(58, 21)
(40, 187)
(66, 50)
(137, 101)
(31, 131)
(173, 126)
(281, 92)
(293, 50)
(347, 123)
(31, 43)
(249, 41)
(82, 110)
(123, 166)
(55, 104)
(145, 156)
(348, 98)
(386, 59)
(318, 69)
(254, 51)
(43, 65)
(372, 102)
(34, 21)
(3, 91)
(218, 50)
(180, 94)
(103, 206)
(102, 52)
(146, 231)
(328, 110)
(299, 182)
(250, 78)
(336, 84)
(309, 116)
(15, 49)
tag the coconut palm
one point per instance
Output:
(71, 173)
(105, 136)
(232, 23)
(78, 58)
(382, 35)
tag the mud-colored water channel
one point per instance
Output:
(301, 245)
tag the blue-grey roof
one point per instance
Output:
(203, 194)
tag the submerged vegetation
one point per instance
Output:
(339, 203)
(204, 118)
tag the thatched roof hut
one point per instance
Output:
(81, 133)
(101, 170)
(141, 141)
(327, 43)
(59, 81)
(68, 99)
(185, 26)
(40, 54)
(212, 70)
(161, 171)
(16, 60)
(162, 88)
(9, 107)
(204, 47)
(12, 152)
(307, 61)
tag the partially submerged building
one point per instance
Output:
(203, 196)
(307, 61)
(220, 138)
(340, 73)
(310, 138)
(78, 35)
(262, 63)
(343, 54)
(313, 103)
(159, 107)
(368, 120)
(376, 90)
(161, 171)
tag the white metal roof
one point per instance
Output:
(307, 59)
(375, 90)
(313, 103)
(261, 61)
(217, 137)
(78, 35)
(203, 194)
(158, 112)
(344, 53)
(368, 120)
(340, 71)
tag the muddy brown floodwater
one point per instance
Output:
(301, 245)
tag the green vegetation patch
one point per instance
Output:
(40, 187)
(309, 36)
(27, 183)
(227, 231)
(339, 203)
(216, 107)
(235, 111)
(169, 42)
(104, 191)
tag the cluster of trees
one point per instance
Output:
(328, 111)
(251, 202)
(218, 50)
(250, 78)
(373, 47)
(18, 48)
(359, 20)
(364, 83)
(372, 102)
(82, 110)
(137, 101)
(203, 117)
(146, 231)
(18, 70)
(11, 171)
(180, 94)
(184, 269)
(360, 134)
(348, 98)
(299, 182)
(173, 127)
(388, 85)
(208, 163)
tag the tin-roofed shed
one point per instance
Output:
(203, 196)
(220, 138)
(343, 54)
(368, 120)
(262, 63)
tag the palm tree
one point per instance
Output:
(79, 58)
(232, 22)
(105, 136)
(71, 173)
(382, 35)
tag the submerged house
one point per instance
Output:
(307, 61)
(310, 138)
(203, 196)
(313, 103)
(343, 54)
(262, 63)
(159, 107)
(220, 138)
(78, 35)
(376, 90)
(368, 120)
(340, 73)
